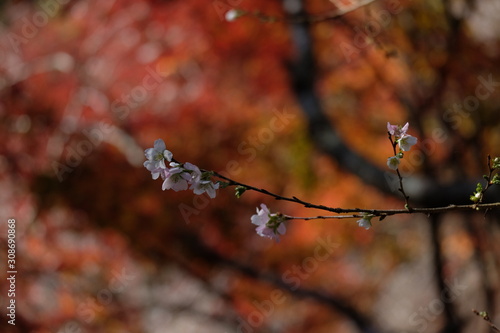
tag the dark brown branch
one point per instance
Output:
(375, 212)
(481, 231)
(451, 323)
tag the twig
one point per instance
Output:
(322, 217)
(401, 188)
(486, 317)
(375, 212)
(488, 178)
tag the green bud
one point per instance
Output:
(207, 175)
(222, 184)
(475, 198)
(239, 191)
(496, 163)
(400, 154)
(485, 315)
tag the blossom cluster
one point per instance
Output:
(268, 225)
(405, 141)
(179, 176)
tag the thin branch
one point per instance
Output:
(322, 217)
(375, 212)
(486, 317)
(451, 324)
(401, 188)
(490, 180)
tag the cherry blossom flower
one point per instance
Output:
(397, 130)
(262, 216)
(156, 156)
(159, 172)
(180, 176)
(200, 182)
(205, 186)
(268, 225)
(194, 171)
(265, 231)
(393, 162)
(406, 141)
(365, 222)
(177, 178)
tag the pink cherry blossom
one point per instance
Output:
(397, 130)
(406, 141)
(157, 155)
(268, 225)
(262, 216)
(365, 222)
(177, 178)
(393, 162)
(203, 186)
(265, 231)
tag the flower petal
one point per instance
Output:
(159, 145)
(167, 154)
(406, 141)
(393, 162)
(149, 153)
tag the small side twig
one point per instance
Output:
(401, 188)
(486, 317)
(491, 178)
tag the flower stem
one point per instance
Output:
(401, 188)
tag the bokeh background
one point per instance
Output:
(290, 97)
